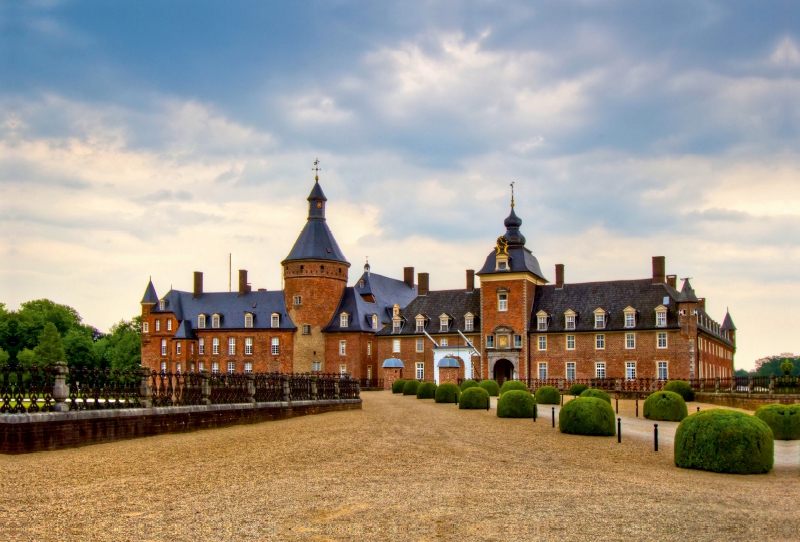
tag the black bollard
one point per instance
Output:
(554, 417)
(616, 399)
(637, 407)
(655, 435)
(619, 429)
(488, 403)
(562, 399)
(698, 409)
(535, 408)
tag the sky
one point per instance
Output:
(155, 138)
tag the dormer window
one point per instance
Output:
(374, 321)
(420, 322)
(661, 316)
(343, 320)
(630, 317)
(361, 283)
(469, 322)
(396, 310)
(396, 326)
(275, 320)
(541, 321)
(215, 321)
(162, 304)
(599, 319)
(569, 319)
(201, 321)
(444, 323)
(502, 262)
(248, 320)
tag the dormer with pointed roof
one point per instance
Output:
(150, 296)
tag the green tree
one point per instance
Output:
(26, 357)
(773, 367)
(121, 349)
(787, 367)
(3, 357)
(79, 349)
(50, 348)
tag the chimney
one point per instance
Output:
(408, 276)
(262, 289)
(659, 269)
(672, 280)
(701, 302)
(198, 284)
(559, 275)
(242, 281)
(470, 280)
(422, 279)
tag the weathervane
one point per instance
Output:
(317, 169)
(512, 194)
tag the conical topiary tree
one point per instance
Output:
(50, 348)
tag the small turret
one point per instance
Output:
(150, 297)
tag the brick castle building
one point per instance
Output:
(515, 325)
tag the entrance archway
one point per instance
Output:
(503, 370)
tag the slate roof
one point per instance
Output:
(355, 302)
(392, 363)
(708, 325)
(150, 295)
(687, 292)
(316, 242)
(230, 306)
(520, 259)
(185, 331)
(455, 303)
(613, 297)
(448, 362)
(727, 323)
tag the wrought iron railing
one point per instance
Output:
(100, 389)
(26, 389)
(269, 387)
(170, 389)
(371, 383)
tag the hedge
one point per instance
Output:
(587, 416)
(783, 420)
(491, 386)
(426, 390)
(597, 394)
(665, 406)
(577, 389)
(547, 395)
(682, 388)
(515, 404)
(721, 440)
(410, 387)
(509, 385)
(468, 384)
(397, 385)
(474, 398)
(447, 393)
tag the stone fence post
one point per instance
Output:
(60, 389)
(749, 385)
(336, 388)
(617, 385)
(716, 385)
(314, 394)
(286, 395)
(560, 384)
(205, 387)
(251, 388)
(145, 389)
(772, 383)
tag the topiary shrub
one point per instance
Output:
(410, 387)
(724, 441)
(587, 416)
(468, 384)
(665, 406)
(447, 393)
(547, 395)
(397, 385)
(491, 386)
(682, 388)
(577, 389)
(515, 404)
(426, 390)
(597, 394)
(473, 398)
(783, 420)
(510, 385)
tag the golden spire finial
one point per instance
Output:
(317, 169)
(512, 195)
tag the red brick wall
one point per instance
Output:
(355, 358)
(520, 302)
(390, 375)
(410, 357)
(713, 359)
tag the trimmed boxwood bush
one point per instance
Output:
(468, 384)
(547, 395)
(447, 393)
(587, 416)
(509, 385)
(474, 398)
(410, 387)
(784, 420)
(721, 440)
(397, 385)
(491, 386)
(426, 390)
(682, 388)
(515, 404)
(577, 389)
(597, 394)
(665, 406)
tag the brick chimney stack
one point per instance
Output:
(559, 275)
(198, 284)
(408, 276)
(422, 279)
(659, 270)
(243, 282)
(672, 280)
(470, 280)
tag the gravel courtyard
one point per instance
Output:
(400, 469)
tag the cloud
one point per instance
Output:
(786, 53)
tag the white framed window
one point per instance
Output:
(542, 370)
(570, 342)
(663, 373)
(420, 325)
(369, 348)
(342, 369)
(395, 346)
(630, 319)
(661, 319)
(630, 341)
(374, 321)
(163, 366)
(191, 367)
(342, 348)
(248, 320)
(600, 369)
(201, 345)
(570, 370)
(215, 367)
(248, 346)
(201, 321)
(231, 366)
(502, 302)
(599, 321)
(145, 327)
(490, 341)
(541, 323)
(163, 347)
(215, 346)
(420, 371)
(361, 283)
(169, 324)
(469, 323)
(517, 341)
(215, 321)
(248, 366)
(275, 346)
(443, 342)
(191, 348)
(662, 340)
(396, 326)
(275, 321)
(369, 372)
(178, 348)
(231, 346)
(420, 345)
(344, 321)
(600, 341)
(316, 366)
(542, 342)
(162, 305)
(158, 325)
(177, 367)
(630, 370)
(306, 329)
(298, 300)
(570, 321)
(201, 366)
(444, 323)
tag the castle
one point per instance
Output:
(516, 325)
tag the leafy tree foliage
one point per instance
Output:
(3, 357)
(50, 348)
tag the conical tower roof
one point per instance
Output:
(316, 241)
(150, 296)
(727, 323)
(687, 293)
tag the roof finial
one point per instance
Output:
(317, 169)
(512, 195)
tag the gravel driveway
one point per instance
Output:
(400, 469)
